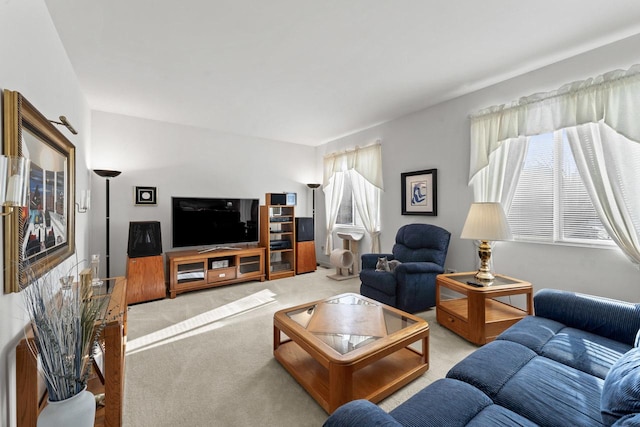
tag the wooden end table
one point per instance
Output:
(474, 312)
(350, 347)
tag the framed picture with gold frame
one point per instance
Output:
(41, 235)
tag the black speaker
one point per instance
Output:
(144, 239)
(304, 229)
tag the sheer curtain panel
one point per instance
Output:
(609, 165)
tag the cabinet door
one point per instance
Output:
(250, 265)
(145, 279)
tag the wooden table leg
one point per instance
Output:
(114, 367)
(276, 338)
(340, 385)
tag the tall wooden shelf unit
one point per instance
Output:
(278, 237)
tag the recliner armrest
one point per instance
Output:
(419, 268)
(609, 318)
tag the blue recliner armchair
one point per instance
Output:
(411, 287)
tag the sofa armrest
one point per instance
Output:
(369, 261)
(617, 320)
(360, 413)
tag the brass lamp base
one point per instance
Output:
(484, 274)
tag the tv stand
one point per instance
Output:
(191, 270)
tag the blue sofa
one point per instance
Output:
(575, 363)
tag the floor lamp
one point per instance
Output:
(107, 174)
(313, 198)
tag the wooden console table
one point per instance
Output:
(30, 402)
(475, 313)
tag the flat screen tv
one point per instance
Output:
(214, 221)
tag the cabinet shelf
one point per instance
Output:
(273, 251)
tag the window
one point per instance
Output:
(361, 170)
(347, 212)
(551, 203)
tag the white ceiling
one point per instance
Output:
(309, 71)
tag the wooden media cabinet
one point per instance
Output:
(192, 270)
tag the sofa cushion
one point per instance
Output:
(533, 332)
(434, 406)
(545, 391)
(490, 367)
(585, 351)
(621, 393)
(579, 349)
(497, 416)
(628, 421)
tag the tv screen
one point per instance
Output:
(214, 221)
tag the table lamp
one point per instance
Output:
(486, 222)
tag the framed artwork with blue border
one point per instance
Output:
(419, 192)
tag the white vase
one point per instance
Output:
(76, 411)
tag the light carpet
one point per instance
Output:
(205, 358)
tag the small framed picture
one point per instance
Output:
(146, 196)
(292, 199)
(419, 192)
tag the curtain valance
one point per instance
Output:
(366, 161)
(613, 98)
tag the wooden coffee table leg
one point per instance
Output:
(340, 385)
(277, 338)
(425, 350)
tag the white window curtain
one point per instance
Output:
(611, 100)
(333, 195)
(367, 199)
(609, 166)
(364, 166)
(497, 182)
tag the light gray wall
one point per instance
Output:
(438, 137)
(183, 161)
(35, 64)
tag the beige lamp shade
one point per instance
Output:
(486, 221)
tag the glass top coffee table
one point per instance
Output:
(350, 347)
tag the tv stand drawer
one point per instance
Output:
(221, 274)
